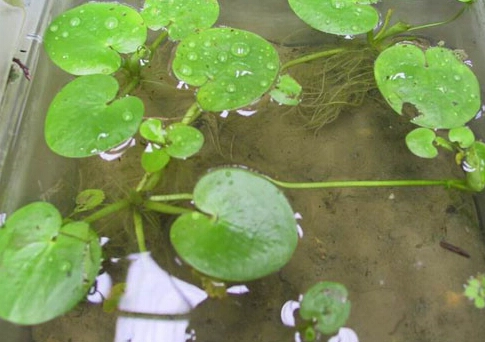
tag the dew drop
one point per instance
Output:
(186, 70)
(54, 28)
(230, 88)
(75, 21)
(111, 23)
(207, 43)
(192, 56)
(222, 57)
(240, 49)
(127, 116)
(457, 78)
(271, 66)
(65, 34)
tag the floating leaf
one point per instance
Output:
(233, 68)
(444, 90)
(327, 305)
(474, 165)
(341, 17)
(246, 229)
(89, 38)
(46, 268)
(287, 91)
(180, 17)
(462, 135)
(88, 199)
(152, 130)
(420, 142)
(84, 118)
(154, 158)
(185, 141)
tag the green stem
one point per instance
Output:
(165, 208)
(171, 197)
(456, 16)
(134, 81)
(156, 43)
(192, 113)
(140, 235)
(447, 183)
(311, 57)
(108, 210)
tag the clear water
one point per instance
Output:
(383, 244)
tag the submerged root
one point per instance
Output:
(334, 84)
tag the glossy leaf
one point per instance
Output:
(85, 119)
(421, 142)
(462, 135)
(245, 229)
(444, 90)
(88, 39)
(180, 17)
(46, 268)
(184, 141)
(152, 130)
(327, 305)
(287, 91)
(341, 17)
(154, 158)
(474, 166)
(233, 68)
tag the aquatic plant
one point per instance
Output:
(475, 290)
(236, 225)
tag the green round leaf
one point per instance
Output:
(46, 269)
(233, 68)
(88, 39)
(420, 142)
(180, 17)
(154, 158)
(246, 231)
(444, 90)
(474, 166)
(184, 141)
(462, 135)
(341, 17)
(326, 304)
(84, 119)
(287, 91)
(152, 130)
(88, 199)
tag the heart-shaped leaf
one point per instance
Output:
(233, 68)
(180, 17)
(46, 268)
(441, 87)
(184, 141)
(152, 130)
(462, 135)
(88, 39)
(246, 229)
(420, 142)
(84, 119)
(154, 158)
(341, 17)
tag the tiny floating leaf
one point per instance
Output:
(46, 268)
(88, 199)
(444, 91)
(474, 166)
(84, 118)
(245, 230)
(232, 68)
(287, 91)
(462, 135)
(88, 39)
(420, 142)
(180, 17)
(184, 141)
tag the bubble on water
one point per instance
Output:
(127, 116)
(111, 23)
(230, 88)
(54, 28)
(75, 21)
(192, 56)
(240, 49)
(185, 70)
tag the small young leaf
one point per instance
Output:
(85, 119)
(287, 91)
(46, 268)
(420, 142)
(341, 17)
(88, 39)
(462, 135)
(180, 17)
(88, 199)
(233, 68)
(154, 158)
(152, 130)
(474, 166)
(185, 141)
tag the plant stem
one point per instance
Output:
(192, 113)
(140, 235)
(134, 81)
(171, 197)
(108, 210)
(311, 57)
(447, 183)
(456, 16)
(156, 43)
(165, 208)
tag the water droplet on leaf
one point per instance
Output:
(230, 88)
(127, 116)
(240, 49)
(111, 23)
(54, 28)
(65, 34)
(75, 21)
(192, 56)
(222, 57)
(271, 66)
(186, 70)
